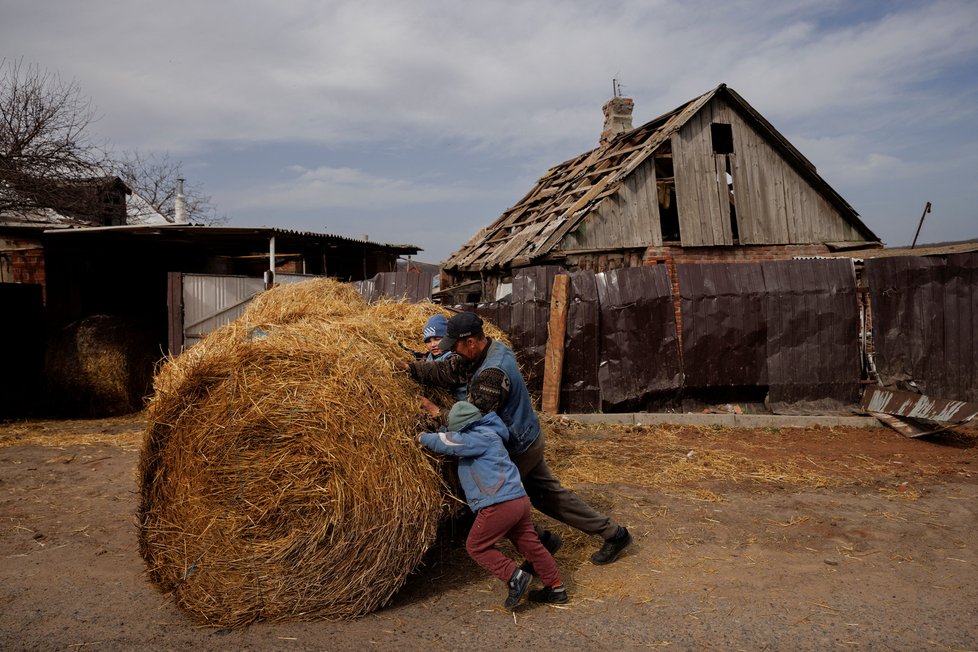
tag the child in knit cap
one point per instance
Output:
(495, 494)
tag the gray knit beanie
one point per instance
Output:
(462, 414)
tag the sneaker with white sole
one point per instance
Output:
(518, 584)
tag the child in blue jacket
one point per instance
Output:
(495, 494)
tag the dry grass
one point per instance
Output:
(124, 431)
(658, 458)
(280, 479)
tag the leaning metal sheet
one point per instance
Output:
(925, 315)
(639, 352)
(580, 391)
(724, 328)
(812, 319)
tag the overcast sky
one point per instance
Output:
(421, 121)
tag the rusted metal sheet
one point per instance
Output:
(580, 390)
(724, 325)
(499, 314)
(412, 286)
(812, 344)
(530, 313)
(925, 316)
(918, 406)
(792, 326)
(639, 352)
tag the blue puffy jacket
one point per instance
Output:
(486, 473)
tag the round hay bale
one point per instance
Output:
(321, 298)
(99, 366)
(280, 479)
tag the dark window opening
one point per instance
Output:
(722, 135)
(666, 191)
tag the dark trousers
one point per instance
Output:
(556, 501)
(510, 519)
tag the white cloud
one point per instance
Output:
(871, 92)
(515, 74)
(849, 158)
(328, 188)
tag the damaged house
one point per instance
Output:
(710, 181)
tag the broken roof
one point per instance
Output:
(566, 195)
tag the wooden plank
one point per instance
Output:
(174, 307)
(723, 198)
(554, 357)
(648, 205)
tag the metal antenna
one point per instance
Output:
(920, 224)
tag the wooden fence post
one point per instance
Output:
(553, 367)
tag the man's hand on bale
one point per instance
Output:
(401, 365)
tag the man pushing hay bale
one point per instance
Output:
(279, 475)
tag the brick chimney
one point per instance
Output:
(617, 118)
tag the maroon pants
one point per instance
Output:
(510, 519)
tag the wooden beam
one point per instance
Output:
(174, 308)
(554, 358)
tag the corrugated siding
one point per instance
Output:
(413, 287)
(580, 390)
(925, 316)
(812, 345)
(530, 314)
(724, 327)
(790, 325)
(211, 301)
(639, 354)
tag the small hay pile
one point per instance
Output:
(280, 479)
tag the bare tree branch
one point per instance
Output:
(48, 161)
(44, 146)
(154, 178)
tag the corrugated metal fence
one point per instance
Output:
(790, 329)
(925, 319)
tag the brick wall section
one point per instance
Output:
(22, 262)
(670, 256)
(292, 266)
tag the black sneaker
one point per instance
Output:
(549, 595)
(552, 542)
(518, 584)
(612, 548)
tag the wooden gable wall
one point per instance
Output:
(627, 219)
(775, 204)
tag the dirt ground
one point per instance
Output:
(790, 539)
